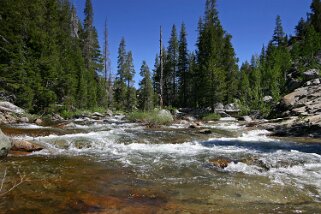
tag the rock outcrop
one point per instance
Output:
(300, 110)
(5, 145)
(9, 107)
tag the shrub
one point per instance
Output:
(213, 116)
(152, 118)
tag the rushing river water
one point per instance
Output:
(119, 167)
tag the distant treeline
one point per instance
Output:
(49, 58)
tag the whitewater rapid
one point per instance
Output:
(152, 151)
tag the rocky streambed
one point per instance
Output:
(113, 166)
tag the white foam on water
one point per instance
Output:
(292, 167)
(228, 119)
(253, 136)
(29, 126)
(282, 167)
(225, 126)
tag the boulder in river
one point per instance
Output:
(5, 145)
(247, 119)
(220, 162)
(165, 114)
(25, 146)
(24, 120)
(38, 121)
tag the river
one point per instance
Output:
(114, 166)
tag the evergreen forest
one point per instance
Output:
(51, 61)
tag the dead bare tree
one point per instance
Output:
(14, 185)
(161, 69)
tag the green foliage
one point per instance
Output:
(183, 63)
(146, 94)
(125, 93)
(152, 118)
(212, 117)
(46, 57)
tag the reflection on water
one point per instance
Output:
(119, 167)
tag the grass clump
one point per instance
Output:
(212, 117)
(153, 118)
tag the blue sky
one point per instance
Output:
(250, 22)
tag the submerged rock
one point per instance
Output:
(220, 162)
(82, 144)
(5, 145)
(205, 131)
(60, 143)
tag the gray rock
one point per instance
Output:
(9, 107)
(57, 117)
(5, 145)
(316, 82)
(219, 107)
(166, 114)
(24, 120)
(109, 113)
(231, 107)
(97, 114)
(311, 74)
(205, 131)
(293, 84)
(189, 118)
(291, 99)
(222, 113)
(308, 83)
(267, 99)
(38, 121)
(247, 119)
(3, 119)
(11, 118)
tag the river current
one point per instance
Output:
(114, 166)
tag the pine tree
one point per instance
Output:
(192, 83)
(183, 67)
(120, 86)
(315, 16)
(212, 75)
(172, 62)
(278, 35)
(301, 28)
(231, 67)
(146, 97)
(88, 33)
(129, 80)
(244, 85)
